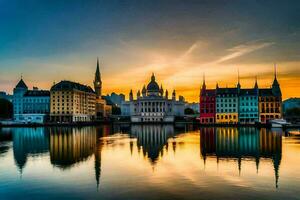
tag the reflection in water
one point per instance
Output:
(29, 142)
(242, 143)
(152, 139)
(5, 136)
(69, 146)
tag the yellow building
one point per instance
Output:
(72, 102)
(269, 106)
(270, 102)
(227, 105)
(227, 118)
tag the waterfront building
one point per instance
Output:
(72, 102)
(31, 106)
(248, 105)
(207, 105)
(270, 102)
(153, 105)
(227, 105)
(103, 110)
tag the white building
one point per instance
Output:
(153, 105)
(30, 106)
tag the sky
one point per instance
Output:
(178, 40)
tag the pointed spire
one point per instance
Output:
(238, 75)
(153, 77)
(203, 85)
(130, 95)
(256, 84)
(98, 68)
(275, 71)
(97, 81)
(239, 84)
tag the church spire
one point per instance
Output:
(256, 84)
(275, 71)
(275, 86)
(203, 78)
(239, 84)
(97, 81)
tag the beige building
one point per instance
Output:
(72, 102)
(102, 109)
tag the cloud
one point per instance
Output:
(242, 50)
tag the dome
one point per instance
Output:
(153, 86)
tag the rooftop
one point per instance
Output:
(69, 85)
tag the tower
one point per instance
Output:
(256, 84)
(167, 94)
(98, 82)
(238, 84)
(174, 95)
(275, 86)
(138, 94)
(144, 91)
(131, 96)
(203, 88)
(161, 90)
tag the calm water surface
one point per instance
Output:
(149, 162)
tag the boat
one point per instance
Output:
(278, 123)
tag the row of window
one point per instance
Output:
(226, 105)
(226, 117)
(226, 110)
(248, 115)
(36, 100)
(226, 100)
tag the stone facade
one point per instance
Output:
(152, 105)
(72, 102)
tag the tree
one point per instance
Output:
(189, 111)
(116, 110)
(6, 109)
(293, 112)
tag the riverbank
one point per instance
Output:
(97, 123)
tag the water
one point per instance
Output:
(148, 162)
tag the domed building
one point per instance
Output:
(152, 104)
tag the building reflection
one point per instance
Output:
(29, 142)
(152, 139)
(5, 137)
(69, 146)
(242, 143)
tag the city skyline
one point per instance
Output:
(52, 41)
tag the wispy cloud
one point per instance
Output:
(242, 50)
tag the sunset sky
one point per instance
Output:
(47, 41)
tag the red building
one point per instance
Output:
(207, 105)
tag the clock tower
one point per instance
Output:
(98, 82)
